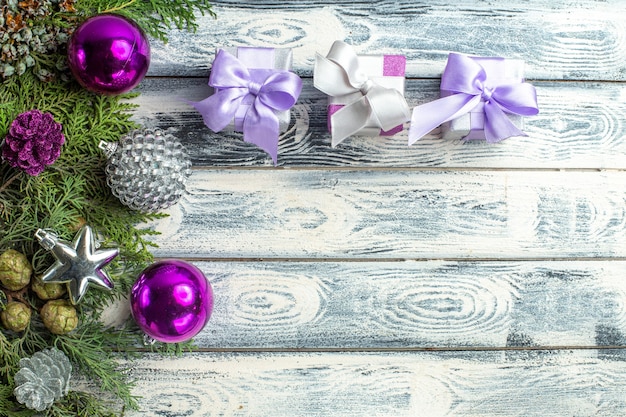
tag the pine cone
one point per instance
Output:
(59, 316)
(28, 30)
(33, 142)
(42, 379)
(15, 270)
(16, 316)
(47, 291)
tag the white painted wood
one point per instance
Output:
(583, 40)
(431, 304)
(580, 125)
(388, 214)
(526, 383)
(318, 312)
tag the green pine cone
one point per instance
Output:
(15, 270)
(16, 316)
(50, 291)
(59, 316)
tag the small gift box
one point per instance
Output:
(481, 98)
(471, 125)
(366, 92)
(387, 71)
(260, 62)
(254, 91)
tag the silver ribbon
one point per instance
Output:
(340, 74)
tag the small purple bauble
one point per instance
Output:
(171, 301)
(108, 54)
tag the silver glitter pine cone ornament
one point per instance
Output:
(147, 169)
(42, 379)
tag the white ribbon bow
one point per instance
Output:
(339, 74)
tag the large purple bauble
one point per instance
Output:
(108, 54)
(171, 301)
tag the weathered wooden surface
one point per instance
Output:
(570, 40)
(534, 383)
(581, 125)
(387, 214)
(427, 304)
(445, 278)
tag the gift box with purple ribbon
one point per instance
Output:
(481, 98)
(254, 90)
(365, 92)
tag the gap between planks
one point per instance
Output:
(384, 349)
(408, 78)
(392, 260)
(398, 169)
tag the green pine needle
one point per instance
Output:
(92, 348)
(9, 407)
(69, 193)
(78, 403)
(154, 16)
(73, 192)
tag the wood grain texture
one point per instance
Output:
(582, 40)
(431, 304)
(376, 279)
(388, 214)
(537, 383)
(580, 125)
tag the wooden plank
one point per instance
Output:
(581, 125)
(433, 304)
(546, 383)
(317, 312)
(583, 40)
(389, 214)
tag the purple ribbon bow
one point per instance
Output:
(269, 91)
(469, 84)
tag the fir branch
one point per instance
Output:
(156, 17)
(75, 186)
(67, 194)
(72, 192)
(90, 348)
(120, 7)
(78, 403)
(8, 182)
(8, 406)
(10, 356)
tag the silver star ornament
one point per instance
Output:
(78, 263)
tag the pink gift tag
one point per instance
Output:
(394, 65)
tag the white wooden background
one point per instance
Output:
(376, 279)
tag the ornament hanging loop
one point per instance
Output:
(109, 148)
(148, 341)
(48, 240)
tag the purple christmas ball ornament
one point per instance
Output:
(171, 301)
(108, 54)
(33, 142)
